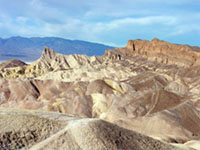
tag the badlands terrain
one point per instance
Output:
(145, 96)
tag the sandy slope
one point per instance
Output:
(52, 131)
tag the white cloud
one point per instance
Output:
(184, 29)
(168, 20)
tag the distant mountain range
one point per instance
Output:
(29, 49)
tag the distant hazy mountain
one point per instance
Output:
(30, 49)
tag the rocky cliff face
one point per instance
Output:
(151, 87)
(162, 52)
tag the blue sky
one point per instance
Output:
(110, 22)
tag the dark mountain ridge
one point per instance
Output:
(30, 49)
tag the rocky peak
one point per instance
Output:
(130, 45)
(48, 53)
(155, 40)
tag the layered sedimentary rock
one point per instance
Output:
(151, 87)
(161, 51)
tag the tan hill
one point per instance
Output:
(151, 87)
(53, 131)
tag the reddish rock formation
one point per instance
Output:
(160, 51)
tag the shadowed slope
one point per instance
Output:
(12, 63)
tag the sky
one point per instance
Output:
(111, 22)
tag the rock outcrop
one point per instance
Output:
(161, 51)
(48, 62)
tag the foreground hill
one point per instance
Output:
(53, 131)
(30, 49)
(151, 87)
